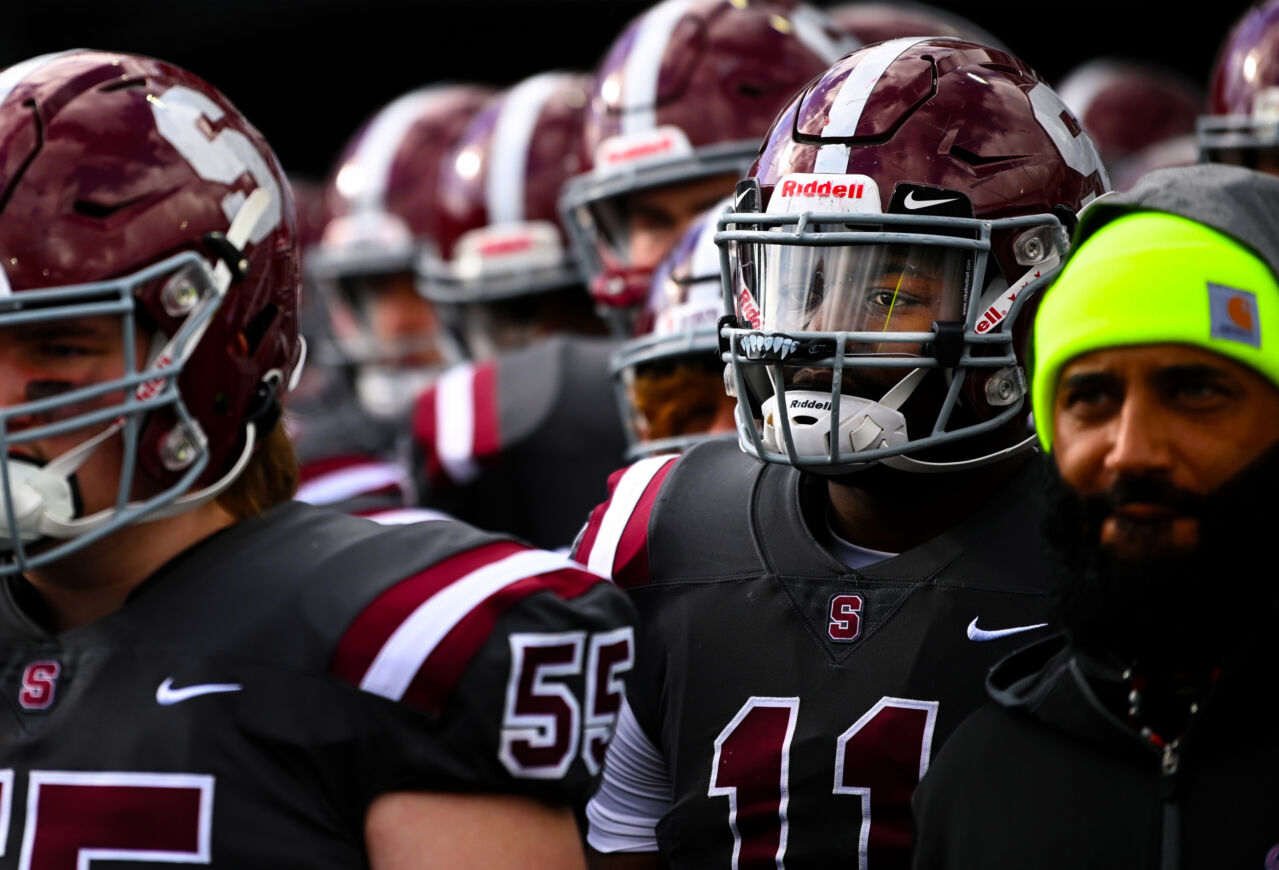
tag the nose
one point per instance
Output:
(404, 314)
(647, 249)
(1138, 442)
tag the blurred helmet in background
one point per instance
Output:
(679, 105)
(382, 216)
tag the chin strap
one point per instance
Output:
(44, 501)
(908, 463)
(867, 425)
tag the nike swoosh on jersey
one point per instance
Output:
(911, 203)
(167, 696)
(980, 634)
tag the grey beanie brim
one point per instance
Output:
(1239, 202)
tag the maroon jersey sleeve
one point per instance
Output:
(614, 542)
(504, 670)
(455, 425)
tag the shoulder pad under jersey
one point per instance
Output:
(558, 388)
(667, 520)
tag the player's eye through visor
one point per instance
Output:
(868, 288)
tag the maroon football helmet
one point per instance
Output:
(1165, 154)
(668, 379)
(684, 94)
(135, 189)
(875, 22)
(903, 210)
(384, 215)
(499, 237)
(1126, 105)
(1241, 122)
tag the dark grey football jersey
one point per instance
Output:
(522, 444)
(348, 460)
(796, 701)
(252, 697)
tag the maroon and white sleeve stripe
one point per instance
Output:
(456, 423)
(339, 478)
(413, 642)
(615, 541)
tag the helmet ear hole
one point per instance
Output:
(1068, 216)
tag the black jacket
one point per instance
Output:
(1049, 775)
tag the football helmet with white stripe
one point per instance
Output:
(904, 207)
(501, 266)
(668, 380)
(683, 95)
(149, 287)
(1241, 123)
(383, 215)
(1127, 105)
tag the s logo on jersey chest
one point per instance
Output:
(845, 614)
(39, 684)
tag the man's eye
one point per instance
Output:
(1087, 400)
(58, 350)
(651, 219)
(1200, 393)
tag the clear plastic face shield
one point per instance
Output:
(623, 216)
(856, 333)
(669, 381)
(670, 384)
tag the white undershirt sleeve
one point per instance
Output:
(634, 793)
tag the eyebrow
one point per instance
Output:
(1192, 370)
(1088, 380)
(1172, 373)
(1192, 373)
(61, 329)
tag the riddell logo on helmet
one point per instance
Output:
(508, 245)
(636, 152)
(813, 189)
(801, 192)
(662, 143)
(746, 304)
(809, 404)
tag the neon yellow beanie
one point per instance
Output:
(1155, 278)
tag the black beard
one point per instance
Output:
(1180, 612)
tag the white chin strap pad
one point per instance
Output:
(863, 424)
(38, 495)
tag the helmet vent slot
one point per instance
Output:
(258, 327)
(977, 160)
(123, 85)
(101, 210)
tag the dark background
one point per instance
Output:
(307, 72)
